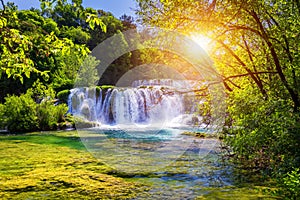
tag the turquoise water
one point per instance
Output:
(169, 164)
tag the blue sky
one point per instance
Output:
(117, 7)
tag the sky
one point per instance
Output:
(116, 7)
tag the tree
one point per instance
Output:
(113, 26)
(256, 39)
(34, 47)
(30, 44)
(14, 47)
(71, 14)
(128, 22)
(88, 74)
(257, 55)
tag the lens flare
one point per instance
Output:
(202, 41)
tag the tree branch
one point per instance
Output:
(248, 74)
(239, 27)
(293, 93)
(253, 64)
(230, 81)
(258, 83)
(286, 48)
(167, 92)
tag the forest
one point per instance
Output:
(254, 46)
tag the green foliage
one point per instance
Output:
(51, 26)
(105, 87)
(2, 123)
(24, 114)
(128, 22)
(113, 25)
(67, 14)
(14, 49)
(264, 133)
(50, 45)
(88, 74)
(204, 110)
(63, 95)
(120, 65)
(41, 52)
(81, 123)
(20, 113)
(49, 115)
(290, 185)
(40, 91)
(31, 48)
(77, 35)
(65, 75)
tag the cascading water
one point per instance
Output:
(131, 105)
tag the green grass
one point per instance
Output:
(55, 165)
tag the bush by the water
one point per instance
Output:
(268, 137)
(63, 95)
(19, 113)
(265, 138)
(23, 114)
(49, 115)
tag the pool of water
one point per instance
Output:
(169, 164)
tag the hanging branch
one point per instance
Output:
(234, 84)
(218, 82)
(249, 72)
(250, 55)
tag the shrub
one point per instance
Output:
(88, 74)
(23, 114)
(265, 134)
(19, 113)
(50, 115)
(106, 87)
(63, 95)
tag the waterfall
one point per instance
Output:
(130, 105)
(166, 82)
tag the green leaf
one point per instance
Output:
(103, 26)
(92, 24)
(43, 5)
(27, 73)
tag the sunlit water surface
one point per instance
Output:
(170, 164)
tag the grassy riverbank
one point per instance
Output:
(55, 166)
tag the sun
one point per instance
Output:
(202, 41)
